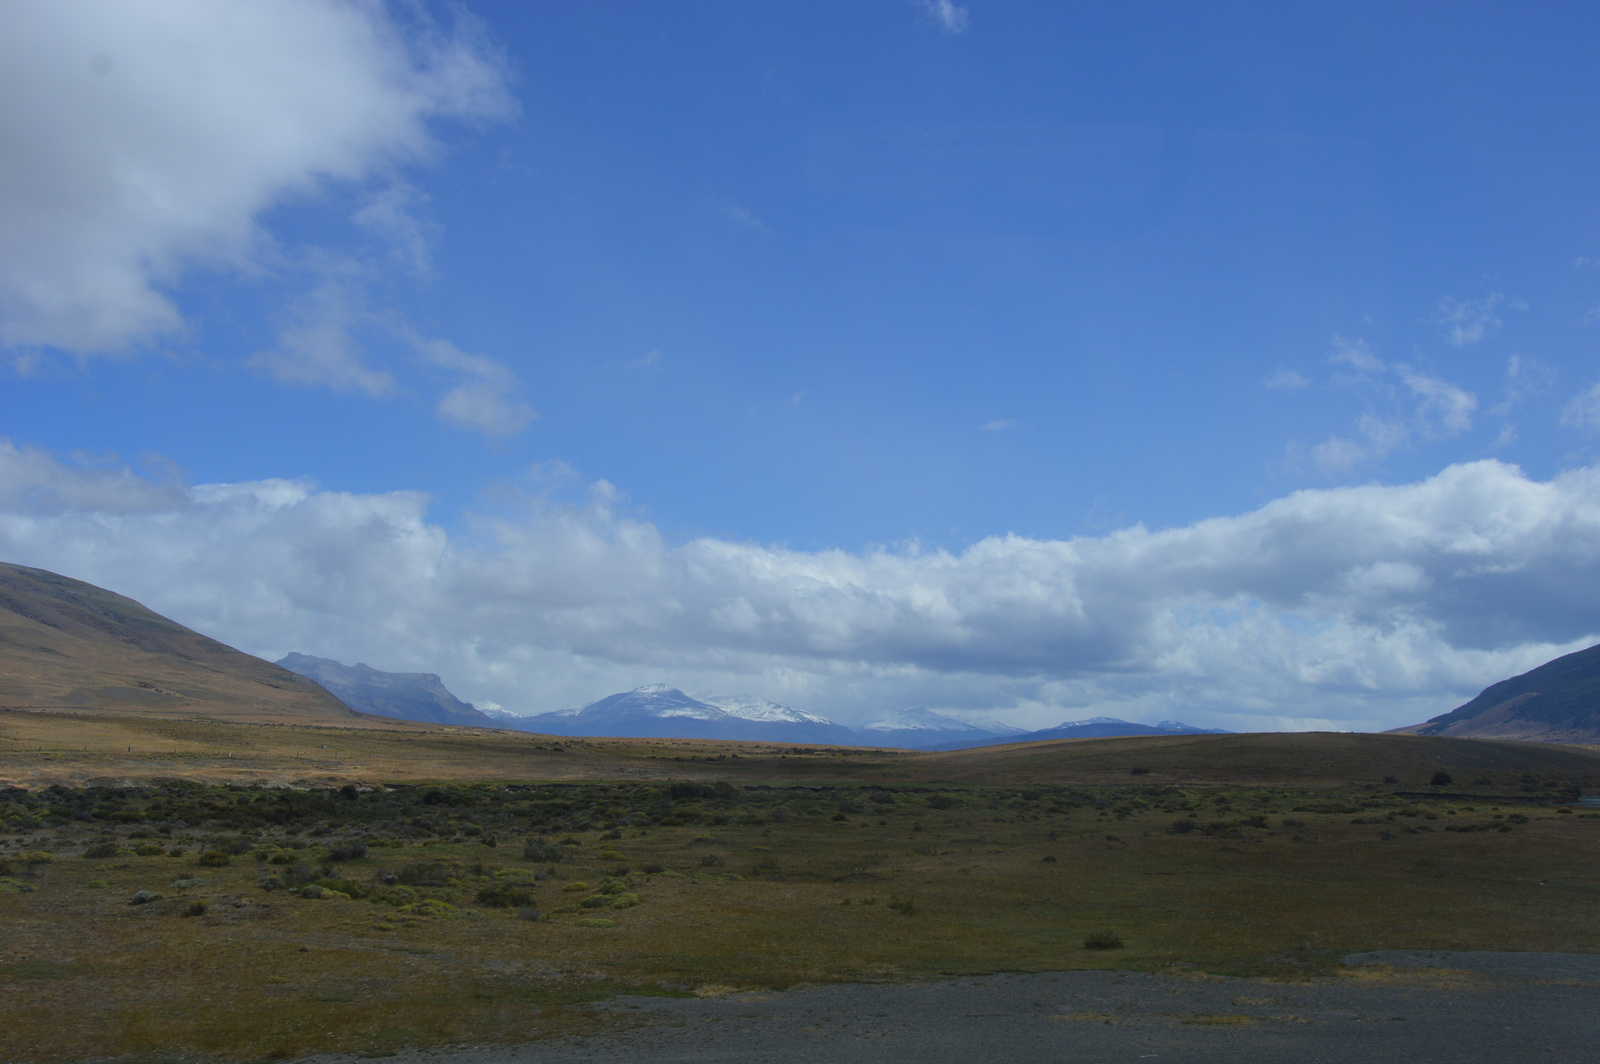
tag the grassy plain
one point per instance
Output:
(480, 912)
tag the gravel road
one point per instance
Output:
(1400, 1006)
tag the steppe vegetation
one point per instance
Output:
(177, 918)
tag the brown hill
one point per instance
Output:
(1559, 702)
(70, 646)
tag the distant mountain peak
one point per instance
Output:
(419, 696)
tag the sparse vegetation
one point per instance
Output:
(747, 884)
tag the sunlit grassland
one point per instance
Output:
(749, 888)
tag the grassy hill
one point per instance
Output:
(70, 646)
(1559, 702)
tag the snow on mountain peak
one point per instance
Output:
(919, 719)
(749, 707)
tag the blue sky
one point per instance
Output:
(772, 347)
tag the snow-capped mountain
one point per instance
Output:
(658, 710)
(1091, 728)
(749, 707)
(923, 729)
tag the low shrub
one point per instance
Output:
(1182, 827)
(1441, 779)
(542, 851)
(654, 868)
(214, 859)
(505, 896)
(36, 857)
(1102, 940)
(350, 851)
(101, 850)
(903, 906)
(942, 801)
(149, 850)
(424, 875)
(196, 908)
(144, 897)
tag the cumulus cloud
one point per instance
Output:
(143, 140)
(1362, 606)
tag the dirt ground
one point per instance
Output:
(1401, 1006)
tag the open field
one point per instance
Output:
(478, 911)
(39, 747)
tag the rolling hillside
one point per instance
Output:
(68, 645)
(1559, 702)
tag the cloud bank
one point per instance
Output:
(1353, 607)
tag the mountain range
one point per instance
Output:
(662, 711)
(419, 696)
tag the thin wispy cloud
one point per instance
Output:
(1002, 425)
(1286, 380)
(1467, 321)
(948, 16)
(485, 400)
(740, 216)
(1428, 408)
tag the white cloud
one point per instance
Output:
(1583, 410)
(1002, 425)
(1355, 353)
(1439, 409)
(948, 16)
(1466, 321)
(1378, 438)
(484, 401)
(740, 216)
(1452, 407)
(1362, 606)
(144, 140)
(1286, 380)
(318, 346)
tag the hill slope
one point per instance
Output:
(1559, 702)
(68, 645)
(419, 696)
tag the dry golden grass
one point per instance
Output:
(42, 747)
(789, 889)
